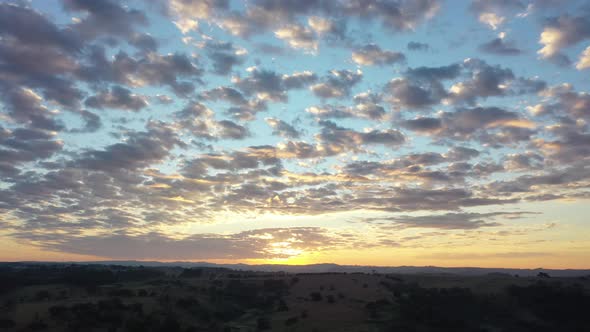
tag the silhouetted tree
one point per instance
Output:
(263, 324)
(316, 296)
(291, 321)
(7, 324)
(191, 273)
(282, 306)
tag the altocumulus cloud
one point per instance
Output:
(122, 122)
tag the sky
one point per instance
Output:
(374, 132)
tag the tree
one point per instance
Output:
(316, 296)
(263, 323)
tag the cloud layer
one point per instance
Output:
(155, 130)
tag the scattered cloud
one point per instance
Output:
(370, 55)
(123, 125)
(281, 128)
(337, 84)
(500, 47)
(562, 32)
(117, 98)
(584, 61)
(417, 46)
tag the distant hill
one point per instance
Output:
(335, 268)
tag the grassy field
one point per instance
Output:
(116, 298)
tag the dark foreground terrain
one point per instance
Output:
(67, 297)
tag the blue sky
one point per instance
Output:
(388, 132)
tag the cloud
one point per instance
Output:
(491, 126)
(92, 122)
(563, 100)
(561, 32)
(568, 146)
(140, 149)
(247, 112)
(230, 129)
(434, 73)
(320, 24)
(299, 80)
(298, 36)
(260, 243)
(105, 18)
(329, 112)
(468, 120)
(224, 56)
(465, 122)
(366, 106)
(188, 13)
(32, 28)
(150, 69)
(423, 124)
(117, 98)
(503, 255)
(524, 161)
(163, 99)
(500, 47)
(25, 106)
(44, 65)
(269, 85)
(228, 94)
(452, 220)
(283, 18)
(547, 185)
(492, 19)
(281, 128)
(584, 61)
(421, 87)
(329, 28)
(234, 161)
(486, 81)
(238, 24)
(459, 153)
(192, 147)
(420, 168)
(405, 93)
(331, 141)
(493, 12)
(23, 145)
(417, 46)
(371, 54)
(338, 84)
(144, 42)
(335, 139)
(397, 16)
(199, 121)
(414, 199)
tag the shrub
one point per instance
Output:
(316, 296)
(291, 321)
(7, 324)
(263, 323)
(282, 306)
